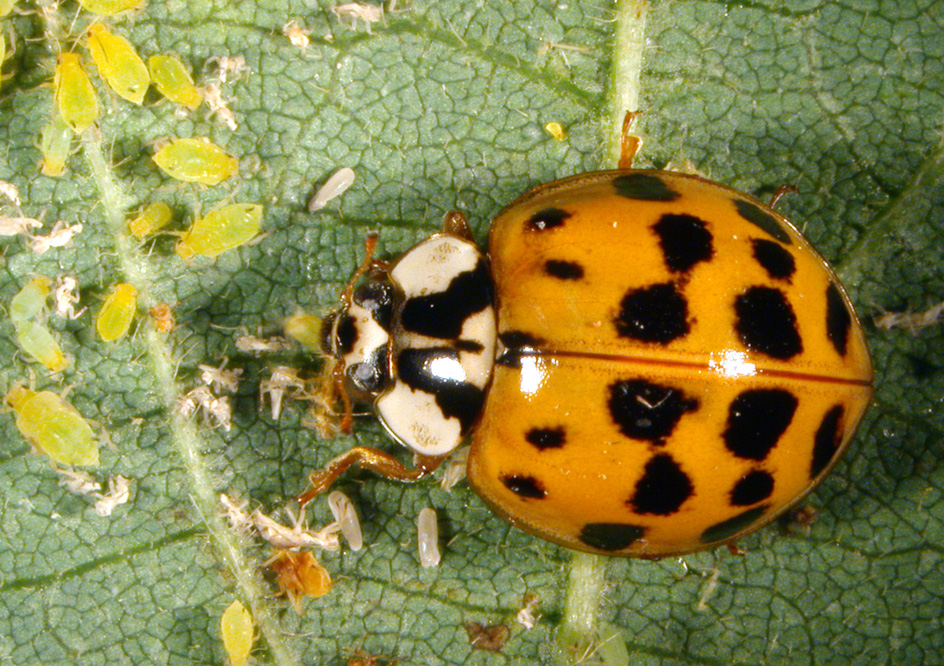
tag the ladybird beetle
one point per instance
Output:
(647, 363)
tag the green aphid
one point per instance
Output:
(196, 160)
(53, 426)
(55, 143)
(173, 81)
(223, 228)
(27, 312)
(152, 218)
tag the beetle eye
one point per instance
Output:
(338, 334)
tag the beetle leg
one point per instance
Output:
(456, 224)
(629, 142)
(782, 190)
(375, 460)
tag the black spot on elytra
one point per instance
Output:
(774, 258)
(685, 241)
(752, 488)
(644, 187)
(766, 323)
(610, 536)
(663, 488)
(728, 528)
(657, 313)
(838, 319)
(549, 218)
(644, 410)
(827, 441)
(417, 368)
(520, 340)
(546, 438)
(442, 314)
(756, 420)
(762, 220)
(524, 486)
(563, 270)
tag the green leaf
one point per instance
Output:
(440, 106)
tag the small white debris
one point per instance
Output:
(334, 187)
(296, 34)
(526, 616)
(227, 67)
(428, 538)
(369, 14)
(346, 516)
(211, 406)
(119, 492)
(77, 481)
(11, 192)
(65, 298)
(13, 226)
(912, 321)
(213, 95)
(219, 378)
(239, 519)
(709, 589)
(455, 468)
(284, 381)
(251, 343)
(60, 236)
(296, 536)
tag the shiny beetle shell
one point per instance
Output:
(652, 363)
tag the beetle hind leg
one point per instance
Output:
(377, 461)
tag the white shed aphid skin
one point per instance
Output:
(202, 398)
(911, 321)
(219, 107)
(252, 343)
(236, 514)
(455, 468)
(226, 67)
(77, 481)
(10, 191)
(346, 515)
(428, 538)
(284, 381)
(219, 378)
(16, 225)
(119, 492)
(61, 235)
(296, 536)
(65, 299)
(335, 186)
(297, 35)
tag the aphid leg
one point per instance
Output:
(375, 460)
(781, 191)
(456, 224)
(629, 142)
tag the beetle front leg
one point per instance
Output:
(377, 461)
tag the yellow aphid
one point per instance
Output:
(53, 426)
(118, 63)
(153, 217)
(196, 160)
(110, 7)
(6, 6)
(27, 312)
(114, 319)
(55, 143)
(75, 96)
(173, 81)
(237, 630)
(223, 228)
(555, 130)
(304, 328)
